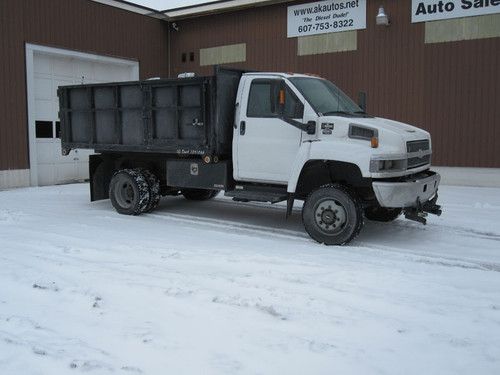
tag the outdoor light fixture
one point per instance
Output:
(382, 18)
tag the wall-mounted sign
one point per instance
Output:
(326, 17)
(431, 10)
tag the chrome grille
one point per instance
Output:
(415, 162)
(416, 146)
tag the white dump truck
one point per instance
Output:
(266, 137)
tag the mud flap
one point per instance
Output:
(289, 204)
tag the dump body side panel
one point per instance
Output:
(188, 116)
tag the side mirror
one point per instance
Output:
(362, 100)
(311, 127)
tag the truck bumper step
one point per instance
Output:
(256, 196)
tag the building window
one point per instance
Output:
(191, 56)
(183, 57)
(43, 129)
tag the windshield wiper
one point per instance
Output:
(346, 113)
(337, 113)
(362, 114)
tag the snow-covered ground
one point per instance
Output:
(225, 288)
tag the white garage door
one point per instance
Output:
(50, 71)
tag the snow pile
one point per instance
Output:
(225, 288)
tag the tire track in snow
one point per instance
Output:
(468, 232)
(249, 229)
(435, 259)
(224, 225)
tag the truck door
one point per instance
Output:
(266, 145)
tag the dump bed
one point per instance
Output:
(191, 116)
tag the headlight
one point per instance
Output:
(378, 166)
(363, 132)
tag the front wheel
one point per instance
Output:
(199, 194)
(332, 215)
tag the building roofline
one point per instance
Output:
(194, 5)
(219, 6)
(190, 11)
(132, 7)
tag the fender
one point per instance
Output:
(358, 154)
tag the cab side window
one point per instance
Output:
(263, 98)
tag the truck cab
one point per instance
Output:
(303, 132)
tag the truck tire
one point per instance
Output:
(154, 190)
(199, 194)
(376, 213)
(129, 192)
(332, 215)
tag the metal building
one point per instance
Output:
(442, 75)
(44, 44)
(437, 70)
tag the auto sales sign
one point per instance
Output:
(431, 10)
(326, 17)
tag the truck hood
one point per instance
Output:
(408, 132)
(385, 127)
(393, 135)
(396, 126)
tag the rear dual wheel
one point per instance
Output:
(154, 190)
(134, 191)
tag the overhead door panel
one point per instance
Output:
(50, 72)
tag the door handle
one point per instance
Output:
(242, 127)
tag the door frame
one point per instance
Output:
(242, 109)
(30, 50)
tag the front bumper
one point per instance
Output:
(415, 190)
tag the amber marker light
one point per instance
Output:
(282, 97)
(374, 142)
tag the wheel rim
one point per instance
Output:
(124, 193)
(330, 216)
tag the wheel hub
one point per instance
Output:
(128, 193)
(330, 216)
(125, 193)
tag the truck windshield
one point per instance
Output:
(325, 97)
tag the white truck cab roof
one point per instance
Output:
(281, 74)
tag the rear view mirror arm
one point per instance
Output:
(309, 128)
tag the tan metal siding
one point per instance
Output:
(450, 89)
(327, 43)
(231, 53)
(79, 25)
(468, 28)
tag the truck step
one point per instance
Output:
(256, 196)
